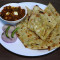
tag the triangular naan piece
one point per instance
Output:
(54, 37)
(51, 11)
(41, 23)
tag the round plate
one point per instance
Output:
(18, 47)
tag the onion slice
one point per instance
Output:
(10, 30)
(8, 40)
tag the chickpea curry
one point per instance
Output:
(10, 13)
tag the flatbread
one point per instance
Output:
(41, 23)
(29, 38)
(54, 37)
(50, 10)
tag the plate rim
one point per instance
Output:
(27, 55)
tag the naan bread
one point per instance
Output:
(50, 10)
(54, 37)
(53, 42)
(29, 38)
(41, 23)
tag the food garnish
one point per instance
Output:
(6, 31)
(8, 40)
(12, 35)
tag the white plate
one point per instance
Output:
(18, 47)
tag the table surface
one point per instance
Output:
(6, 55)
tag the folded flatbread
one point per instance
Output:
(29, 38)
(51, 11)
(54, 37)
(41, 23)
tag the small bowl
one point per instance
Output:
(14, 5)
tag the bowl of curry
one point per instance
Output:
(13, 13)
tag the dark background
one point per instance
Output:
(6, 55)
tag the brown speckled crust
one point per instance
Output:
(55, 34)
(32, 41)
(41, 23)
(37, 15)
(29, 38)
(41, 12)
(49, 47)
(17, 34)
